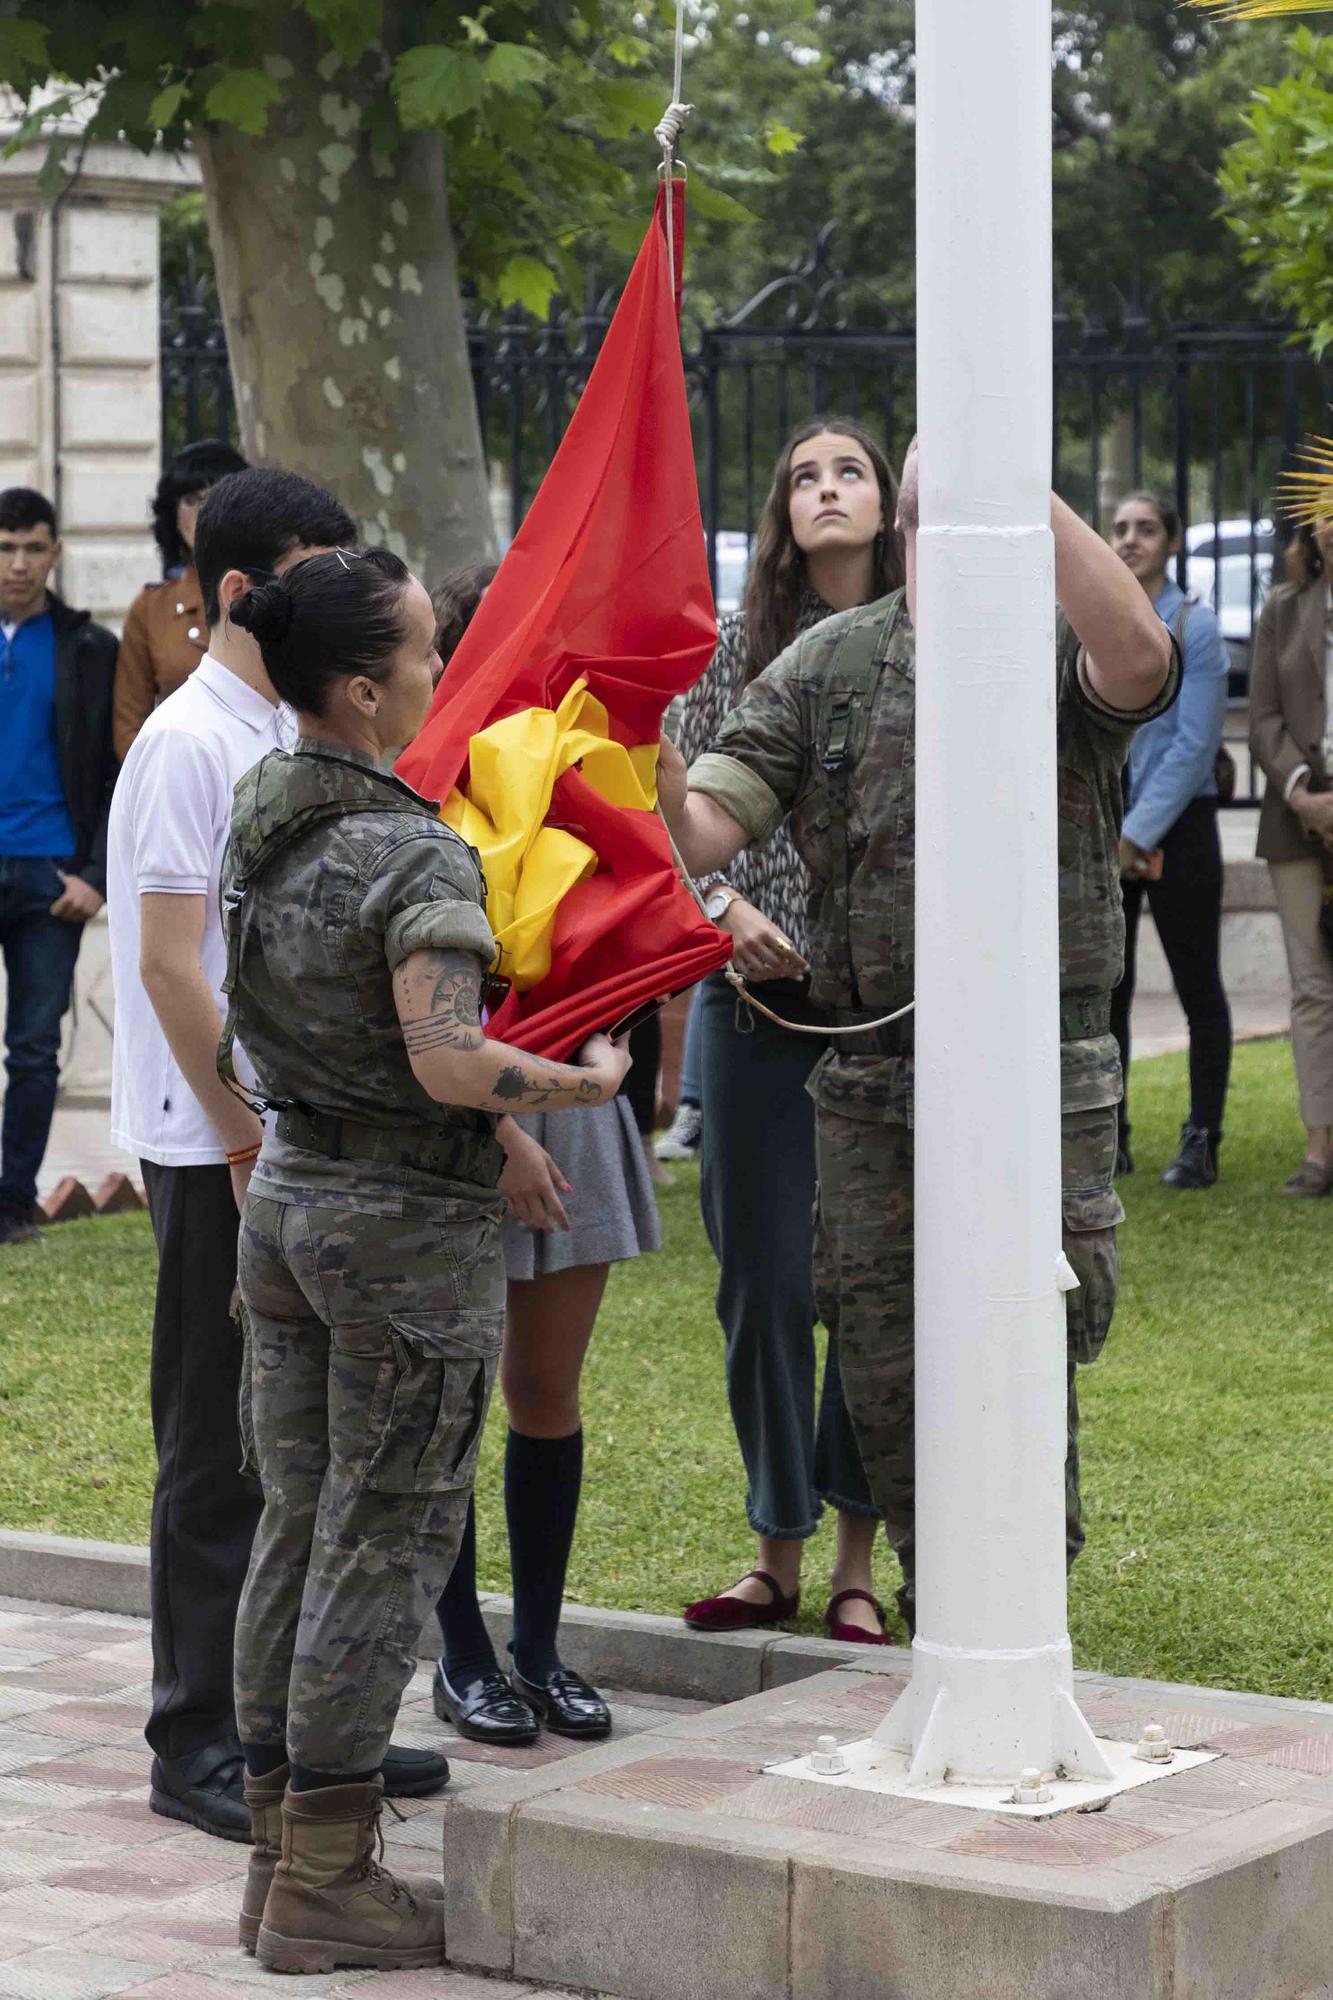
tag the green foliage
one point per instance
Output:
(545, 108)
(1278, 182)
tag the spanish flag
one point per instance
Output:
(542, 738)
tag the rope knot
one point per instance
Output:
(668, 131)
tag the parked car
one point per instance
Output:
(1229, 565)
(733, 559)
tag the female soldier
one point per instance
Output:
(826, 542)
(357, 948)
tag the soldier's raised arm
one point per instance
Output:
(1129, 650)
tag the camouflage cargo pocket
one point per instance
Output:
(1091, 1212)
(430, 1434)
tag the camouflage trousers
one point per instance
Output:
(371, 1347)
(864, 1291)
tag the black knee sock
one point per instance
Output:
(542, 1480)
(303, 1779)
(468, 1651)
(263, 1759)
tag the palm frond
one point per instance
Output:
(1258, 10)
(1305, 495)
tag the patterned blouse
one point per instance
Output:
(772, 875)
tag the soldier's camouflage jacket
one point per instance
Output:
(366, 874)
(826, 734)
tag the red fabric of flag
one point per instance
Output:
(606, 579)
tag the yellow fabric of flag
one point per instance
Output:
(529, 866)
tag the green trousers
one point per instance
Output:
(864, 1290)
(371, 1349)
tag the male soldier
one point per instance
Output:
(826, 734)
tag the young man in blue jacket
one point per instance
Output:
(57, 768)
(1171, 812)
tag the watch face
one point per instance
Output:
(716, 906)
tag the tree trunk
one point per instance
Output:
(339, 286)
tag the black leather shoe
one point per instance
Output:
(1195, 1165)
(566, 1703)
(204, 1789)
(413, 1774)
(486, 1709)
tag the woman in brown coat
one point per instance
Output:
(1291, 736)
(166, 633)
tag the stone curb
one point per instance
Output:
(633, 1650)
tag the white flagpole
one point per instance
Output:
(991, 1691)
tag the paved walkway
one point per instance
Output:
(99, 1896)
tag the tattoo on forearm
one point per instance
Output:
(531, 1089)
(439, 995)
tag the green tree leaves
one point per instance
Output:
(240, 97)
(1278, 183)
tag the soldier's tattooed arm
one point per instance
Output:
(438, 997)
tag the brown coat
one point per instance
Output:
(165, 638)
(1287, 706)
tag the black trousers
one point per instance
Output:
(205, 1510)
(1187, 909)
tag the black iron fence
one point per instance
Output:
(1203, 413)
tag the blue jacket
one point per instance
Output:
(1171, 758)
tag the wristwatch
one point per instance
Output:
(718, 902)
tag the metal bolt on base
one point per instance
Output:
(1153, 1746)
(1030, 1791)
(827, 1759)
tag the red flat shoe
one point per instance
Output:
(852, 1635)
(733, 1614)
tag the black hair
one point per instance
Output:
(191, 471)
(455, 599)
(324, 619)
(24, 507)
(252, 519)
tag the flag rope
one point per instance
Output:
(668, 130)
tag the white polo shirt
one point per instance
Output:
(170, 817)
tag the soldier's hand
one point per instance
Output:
(762, 951)
(532, 1183)
(607, 1061)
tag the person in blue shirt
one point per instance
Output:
(57, 768)
(1171, 824)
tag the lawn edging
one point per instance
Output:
(635, 1650)
(638, 1651)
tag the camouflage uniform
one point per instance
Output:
(369, 1265)
(826, 734)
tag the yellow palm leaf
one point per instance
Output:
(1257, 10)
(1305, 495)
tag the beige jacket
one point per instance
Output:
(165, 637)
(1287, 710)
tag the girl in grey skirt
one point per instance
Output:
(579, 1201)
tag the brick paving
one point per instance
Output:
(99, 1896)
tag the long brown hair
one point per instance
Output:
(772, 600)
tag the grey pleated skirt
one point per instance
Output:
(612, 1211)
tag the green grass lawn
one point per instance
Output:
(1208, 1447)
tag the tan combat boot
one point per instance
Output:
(331, 1902)
(264, 1798)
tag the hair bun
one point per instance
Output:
(265, 612)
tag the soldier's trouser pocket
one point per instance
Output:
(1091, 1211)
(413, 1417)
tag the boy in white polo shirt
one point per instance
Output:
(197, 1141)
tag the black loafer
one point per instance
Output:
(486, 1710)
(566, 1703)
(205, 1789)
(413, 1774)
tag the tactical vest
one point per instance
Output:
(466, 1150)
